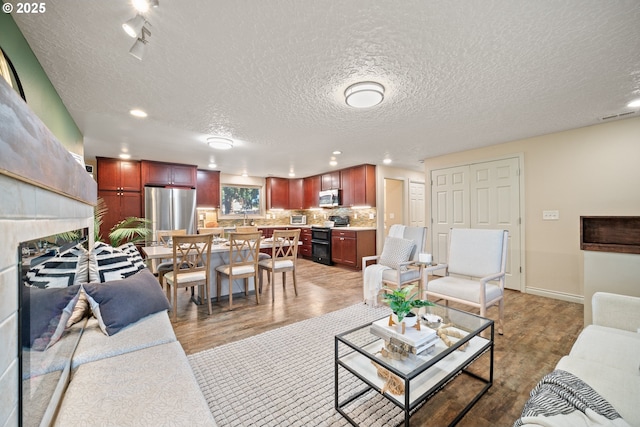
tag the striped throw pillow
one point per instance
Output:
(134, 255)
(65, 269)
(107, 263)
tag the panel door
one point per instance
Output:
(449, 207)
(416, 204)
(495, 204)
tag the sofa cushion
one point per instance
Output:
(615, 385)
(134, 255)
(49, 309)
(609, 347)
(107, 263)
(154, 386)
(395, 251)
(65, 269)
(119, 303)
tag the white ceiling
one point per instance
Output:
(271, 74)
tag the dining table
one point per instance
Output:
(219, 256)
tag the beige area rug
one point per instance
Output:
(285, 377)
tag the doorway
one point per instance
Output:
(393, 206)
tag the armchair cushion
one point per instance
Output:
(395, 251)
(463, 289)
(408, 275)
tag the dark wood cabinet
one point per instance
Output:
(208, 189)
(296, 193)
(358, 186)
(277, 190)
(330, 180)
(120, 205)
(349, 246)
(305, 237)
(168, 174)
(312, 187)
(118, 175)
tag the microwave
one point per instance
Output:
(329, 198)
(298, 220)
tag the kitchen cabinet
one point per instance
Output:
(305, 237)
(119, 186)
(168, 174)
(208, 189)
(358, 186)
(349, 246)
(330, 180)
(277, 190)
(296, 193)
(312, 187)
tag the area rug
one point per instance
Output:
(285, 377)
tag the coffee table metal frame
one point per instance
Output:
(417, 372)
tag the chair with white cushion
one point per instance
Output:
(244, 252)
(284, 254)
(395, 267)
(191, 255)
(475, 270)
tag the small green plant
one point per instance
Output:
(402, 301)
(131, 229)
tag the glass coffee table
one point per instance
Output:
(406, 379)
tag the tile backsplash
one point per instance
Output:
(357, 217)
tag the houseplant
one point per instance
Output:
(402, 301)
(131, 229)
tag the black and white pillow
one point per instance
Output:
(65, 269)
(134, 255)
(107, 263)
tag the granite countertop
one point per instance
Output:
(317, 225)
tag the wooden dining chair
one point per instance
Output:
(246, 229)
(284, 254)
(163, 237)
(244, 252)
(191, 256)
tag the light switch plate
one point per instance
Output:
(550, 215)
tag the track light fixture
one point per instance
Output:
(154, 3)
(137, 50)
(133, 26)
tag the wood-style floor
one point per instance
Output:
(538, 332)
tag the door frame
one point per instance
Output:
(520, 157)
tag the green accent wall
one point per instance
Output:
(41, 96)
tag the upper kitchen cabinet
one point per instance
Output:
(312, 187)
(277, 190)
(330, 180)
(208, 189)
(164, 174)
(296, 193)
(359, 186)
(118, 175)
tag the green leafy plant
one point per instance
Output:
(402, 300)
(131, 229)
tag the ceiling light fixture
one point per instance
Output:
(125, 156)
(364, 94)
(333, 163)
(133, 26)
(220, 143)
(633, 104)
(138, 48)
(212, 166)
(386, 161)
(336, 152)
(154, 3)
(138, 113)
(140, 5)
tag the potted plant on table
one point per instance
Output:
(402, 301)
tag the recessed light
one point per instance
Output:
(386, 161)
(333, 163)
(337, 152)
(635, 103)
(125, 156)
(212, 166)
(292, 174)
(138, 113)
(245, 174)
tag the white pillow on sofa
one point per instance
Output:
(395, 251)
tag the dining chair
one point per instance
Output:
(246, 229)
(396, 266)
(284, 254)
(191, 256)
(244, 250)
(475, 270)
(163, 237)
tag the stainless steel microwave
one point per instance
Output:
(329, 198)
(298, 219)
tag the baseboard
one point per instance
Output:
(579, 299)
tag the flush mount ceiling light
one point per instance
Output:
(364, 94)
(138, 48)
(133, 26)
(220, 143)
(138, 113)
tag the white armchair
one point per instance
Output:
(477, 259)
(395, 266)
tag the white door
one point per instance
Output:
(495, 204)
(416, 204)
(481, 195)
(449, 207)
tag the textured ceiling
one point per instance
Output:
(271, 74)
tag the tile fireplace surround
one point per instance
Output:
(43, 191)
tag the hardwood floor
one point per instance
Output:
(538, 332)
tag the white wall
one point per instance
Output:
(593, 170)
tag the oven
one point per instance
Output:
(321, 245)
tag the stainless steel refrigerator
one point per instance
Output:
(170, 209)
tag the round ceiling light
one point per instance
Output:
(220, 143)
(364, 94)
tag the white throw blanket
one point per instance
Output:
(373, 282)
(397, 230)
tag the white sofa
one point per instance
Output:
(606, 356)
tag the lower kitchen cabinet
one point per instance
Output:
(349, 246)
(305, 236)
